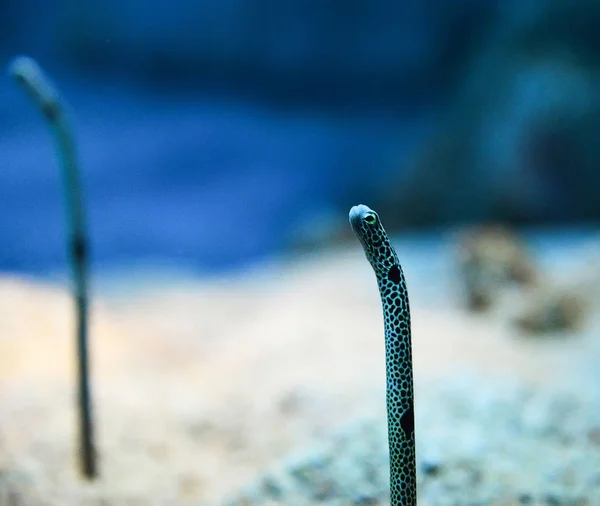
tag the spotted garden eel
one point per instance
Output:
(398, 353)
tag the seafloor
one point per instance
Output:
(268, 387)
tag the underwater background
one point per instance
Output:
(233, 326)
(215, 134)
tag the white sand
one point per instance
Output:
(199, 386)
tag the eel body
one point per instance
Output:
(398, 351)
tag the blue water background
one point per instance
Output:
(210, 181)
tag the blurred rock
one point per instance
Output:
(553, 309)
(489, 258)
(495, 267)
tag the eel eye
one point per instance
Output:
(370, 218)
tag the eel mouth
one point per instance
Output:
(357, 213)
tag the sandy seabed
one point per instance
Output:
(200, 386)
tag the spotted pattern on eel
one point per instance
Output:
(398, 353)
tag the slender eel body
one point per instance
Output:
(34, 81)
(398, 353)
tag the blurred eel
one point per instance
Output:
(30, 76)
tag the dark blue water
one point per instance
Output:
(214, 183)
